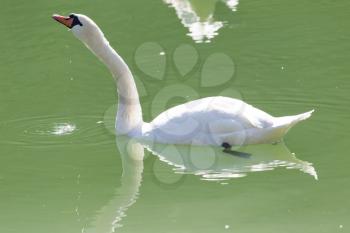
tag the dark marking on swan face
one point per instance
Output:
(76, 20)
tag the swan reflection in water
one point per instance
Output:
(214, 163)
(209, 163)
(109, 217)
(198, 16)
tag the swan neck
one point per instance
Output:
(129, 116)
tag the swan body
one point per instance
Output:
(218, 120)
(208, 121)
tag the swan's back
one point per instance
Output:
(203, 121)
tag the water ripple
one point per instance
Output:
(44, 131)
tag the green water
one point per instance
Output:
(63, 170)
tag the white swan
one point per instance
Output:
(216, 120)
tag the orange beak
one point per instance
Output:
(66, 21)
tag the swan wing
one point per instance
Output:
(208, 117)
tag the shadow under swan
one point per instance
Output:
(198, 16)
(214, 163)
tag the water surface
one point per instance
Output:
(63, 170)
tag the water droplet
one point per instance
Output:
(63, 129)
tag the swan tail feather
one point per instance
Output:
(304, 116)
(292, 120)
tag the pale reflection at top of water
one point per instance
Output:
(198, 17)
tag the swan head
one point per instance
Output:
(82, 27)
